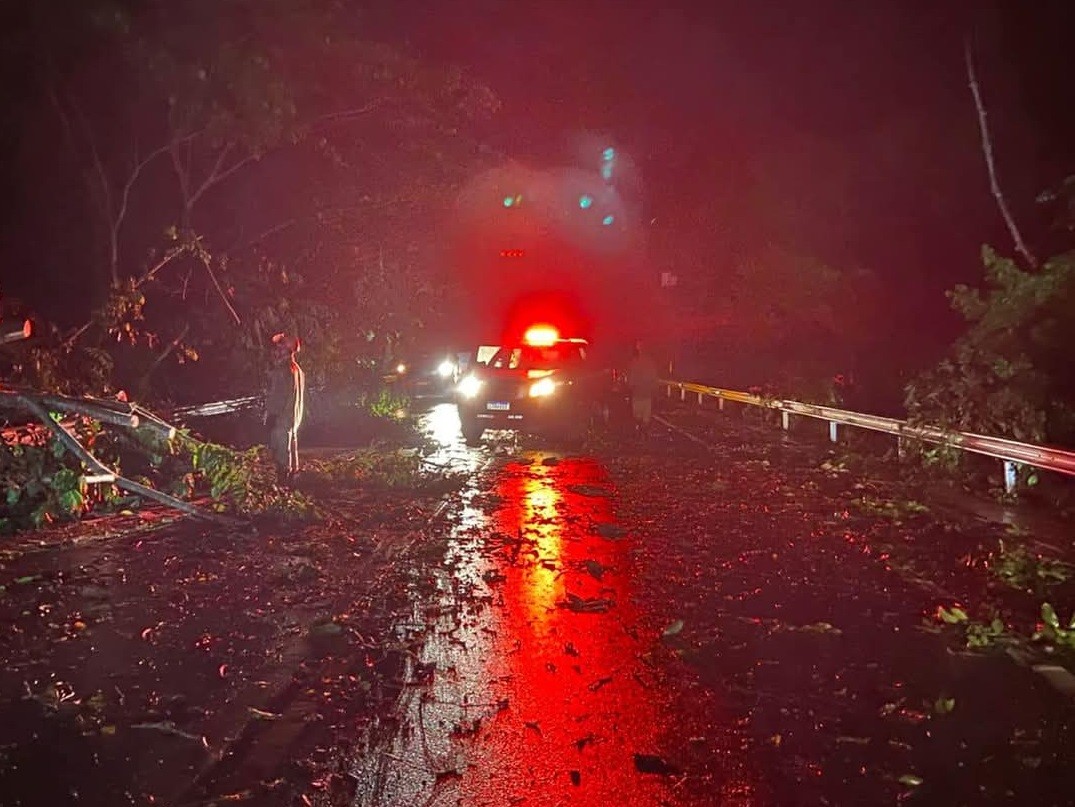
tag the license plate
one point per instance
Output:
(498, 406)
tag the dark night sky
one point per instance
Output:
(843, 127)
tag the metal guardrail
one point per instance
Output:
(1011, 452)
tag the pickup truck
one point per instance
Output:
(546, 384)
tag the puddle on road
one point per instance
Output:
(517, 697)
(440, 426)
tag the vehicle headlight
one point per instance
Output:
(542, 387)
(401, 368)
(445, 368)
(469, 386)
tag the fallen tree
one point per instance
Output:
(118, 413)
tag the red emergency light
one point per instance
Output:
(512, 253)
(541, 335)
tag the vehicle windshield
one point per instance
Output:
(532, 357)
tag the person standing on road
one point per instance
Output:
(642, 377)
(285, 404)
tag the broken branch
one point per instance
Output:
(71, 443)
(220, 291)
(164, 354)
(167, 258)
(987, 150)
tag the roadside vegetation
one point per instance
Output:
(41, 483)
(220, 175)
(1005, 375)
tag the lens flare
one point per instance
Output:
(542, 388)
(469, 386)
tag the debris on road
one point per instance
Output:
(586, 605)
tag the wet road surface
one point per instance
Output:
(665, 625)
(538, 686)
(740, 618)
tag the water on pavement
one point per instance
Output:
(537, 685)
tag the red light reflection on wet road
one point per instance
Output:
(580, 706)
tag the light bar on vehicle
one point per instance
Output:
(541, 336)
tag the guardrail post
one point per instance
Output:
(1011, 476)
(785, 419)
(832, 431)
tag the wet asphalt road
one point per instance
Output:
(538, 689)
(663, 624)
(738, 617)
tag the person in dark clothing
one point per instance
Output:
(285, 404)
(642, 378)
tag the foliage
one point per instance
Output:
(897, 511)
(1007, 374)
(1023, 570)
(938, 457)
(48, 493)
(38, 363)
(944, 705)
(978, 635)
(41, 483)
(51, 362)
(985, 635)
(1053, 632)
(244, 482)
(385, 403)
(397, 470)
(787, 321)
(220, 172)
